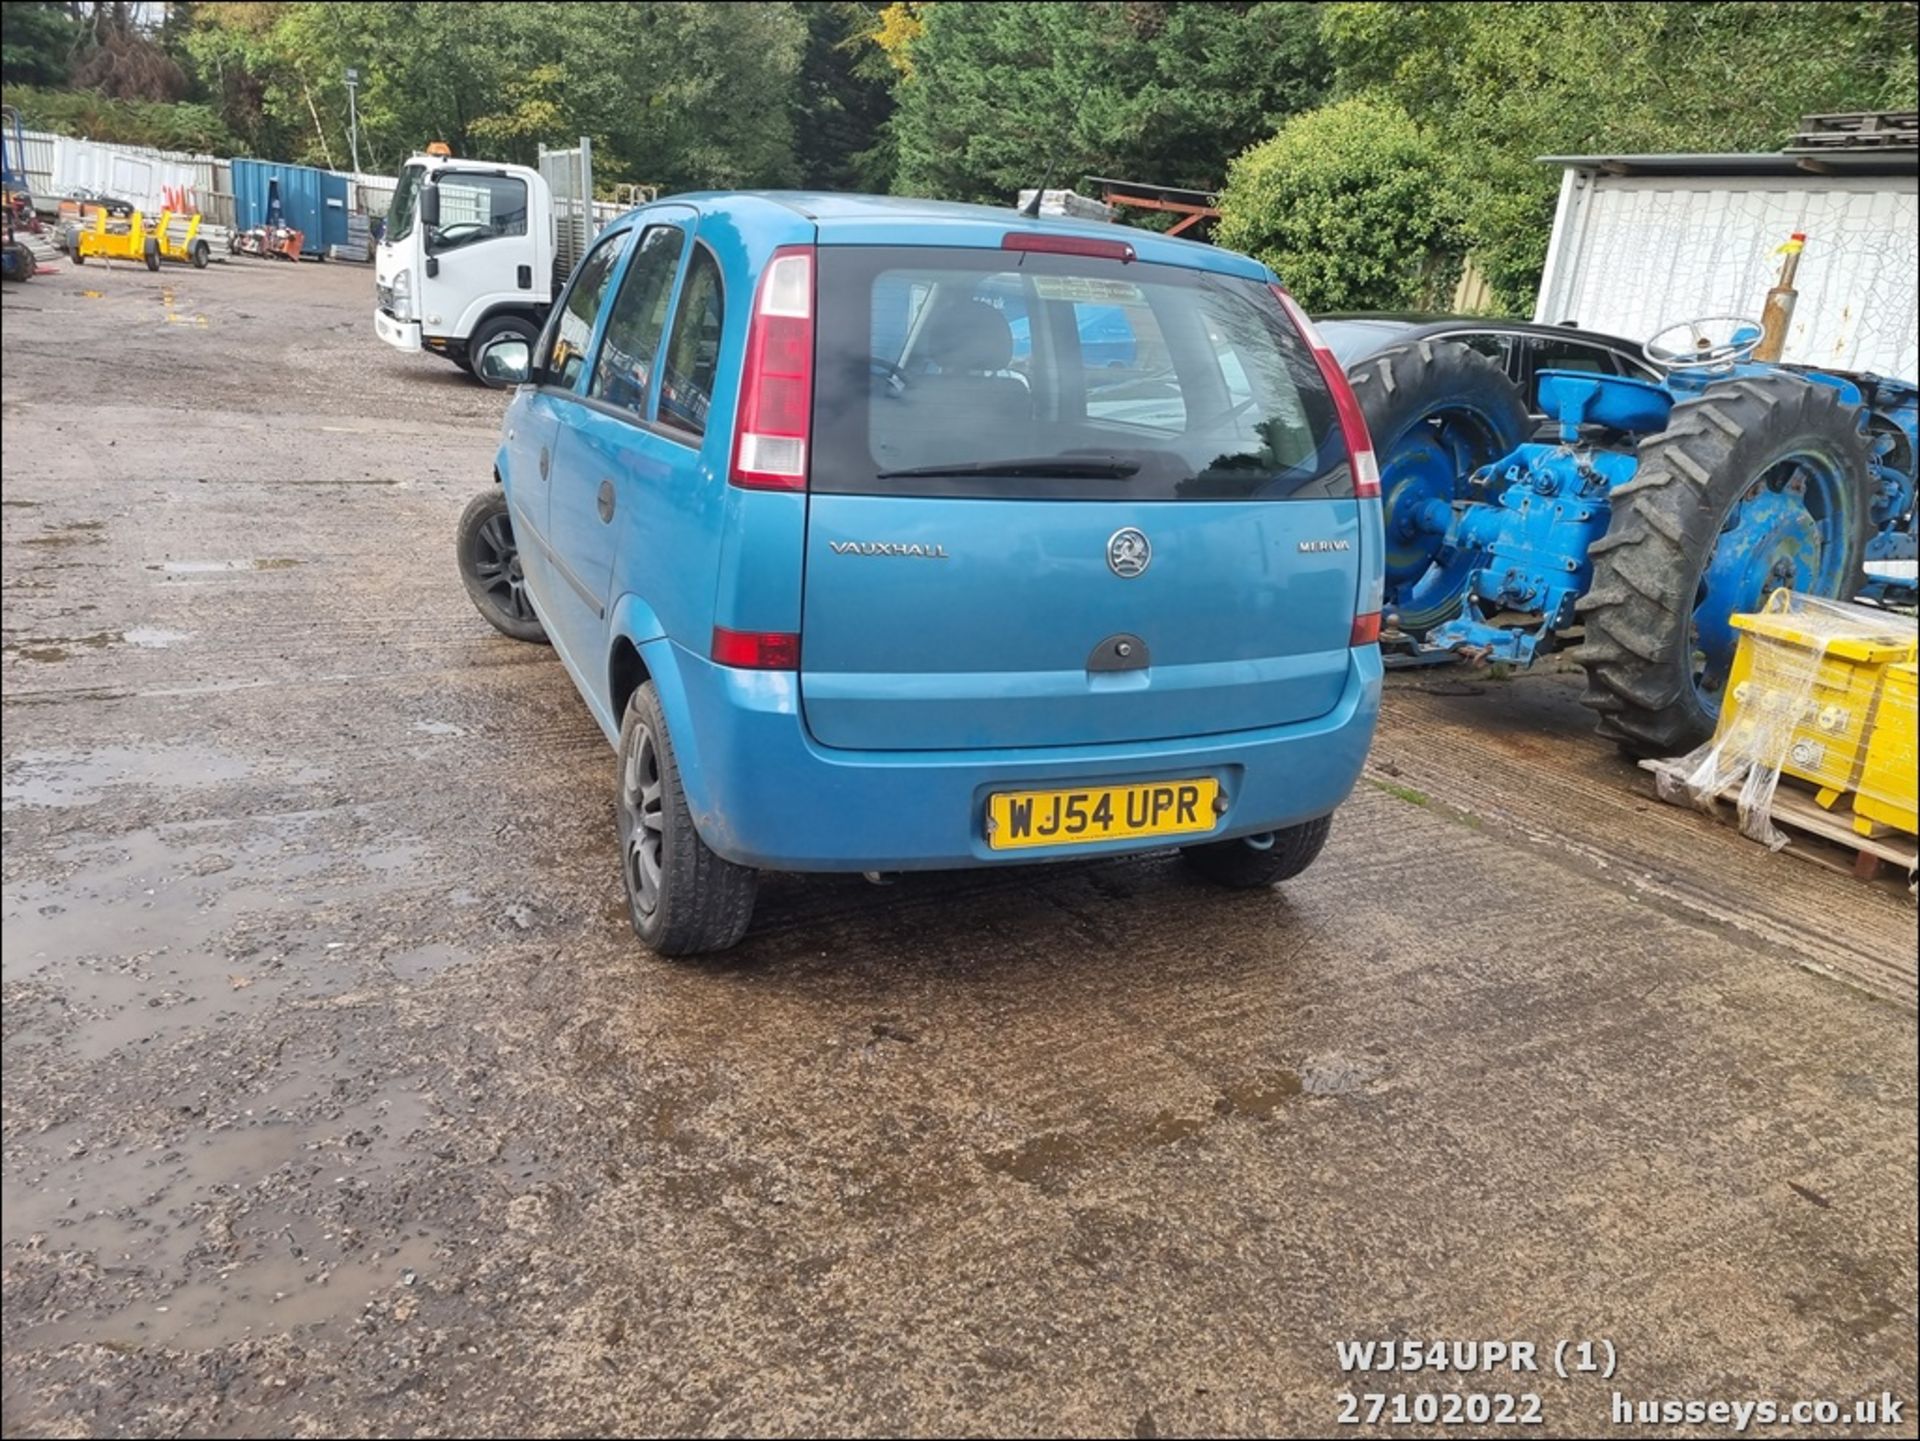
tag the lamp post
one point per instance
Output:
(353, 120)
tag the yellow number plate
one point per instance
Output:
(1100, 813)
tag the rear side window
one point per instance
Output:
(625, 368)
(693, 350)
(573, 326)
(979, 372)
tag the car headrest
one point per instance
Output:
(966, 335)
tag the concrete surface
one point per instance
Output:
(338, 1097)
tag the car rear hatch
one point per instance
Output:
(1067, 498)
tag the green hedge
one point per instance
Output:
(164, 125)
(1351, 205)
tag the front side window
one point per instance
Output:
(573, 323)
(693, 350)
(474, 208)
(972, 372)
(639, 315)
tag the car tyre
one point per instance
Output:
(1255, 862)
(489, 560)
(682, 898)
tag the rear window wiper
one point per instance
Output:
(1067, 466)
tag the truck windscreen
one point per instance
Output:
(406, 202)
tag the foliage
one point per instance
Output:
(163, 125)
(37, 44)
(1351, 205)
(1001, 94)
(843, 101)
(1500, 85)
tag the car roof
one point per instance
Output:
(889, 219)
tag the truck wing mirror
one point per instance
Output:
(430, 206)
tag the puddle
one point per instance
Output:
(60, 779)
(195, 925)
(50, 649)
(219, 567)
(425, 963)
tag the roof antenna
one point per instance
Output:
(1031, 210)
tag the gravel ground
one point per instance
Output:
(339, 1099)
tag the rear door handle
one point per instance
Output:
(605, 501)
(546, 461)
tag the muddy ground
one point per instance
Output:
(339, 1098)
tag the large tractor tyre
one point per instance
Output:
(1755, 484)
(1436, 413)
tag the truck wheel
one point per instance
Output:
(1252, 862)
(1437, 412)
(1757, 483)
(507, 327)
(681, 897)
(489, 561)
(151, 254)
(201, 255)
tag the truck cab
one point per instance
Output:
(467, 258)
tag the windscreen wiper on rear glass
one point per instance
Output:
(1087, 467)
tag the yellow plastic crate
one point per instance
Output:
(1804, 686)
(1888, 781)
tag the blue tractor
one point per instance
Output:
(1647, 516)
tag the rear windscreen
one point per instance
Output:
(984, 372)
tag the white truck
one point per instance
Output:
(474, 252)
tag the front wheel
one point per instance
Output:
(152, 254)
(681, 897)
(489, 560)
(201, 255)
(1255, 862)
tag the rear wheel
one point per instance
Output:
(151, 254)
(489, 560)
(1252, 862)
(681, 897)
(1437, 412)
(201, 255)
(507, 327)
(1757, 483)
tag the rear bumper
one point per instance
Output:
(400, 334)
(764, 794)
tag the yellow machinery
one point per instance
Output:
(1808, 691)
(1890, 778)
(179, 238)
(126, 239)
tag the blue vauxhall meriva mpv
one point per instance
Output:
(855, 583)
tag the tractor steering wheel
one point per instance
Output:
(1711, 342)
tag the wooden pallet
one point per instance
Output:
(1824, 837)
(1897, 129)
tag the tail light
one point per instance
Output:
(776, 385)
(756, 649)
(1353, 426)
(1366, 629)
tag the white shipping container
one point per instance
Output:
(1633, 253)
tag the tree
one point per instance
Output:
(999, 96)
(843, 100)
(1502, 84)
(37, 45)
(1351, 205)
